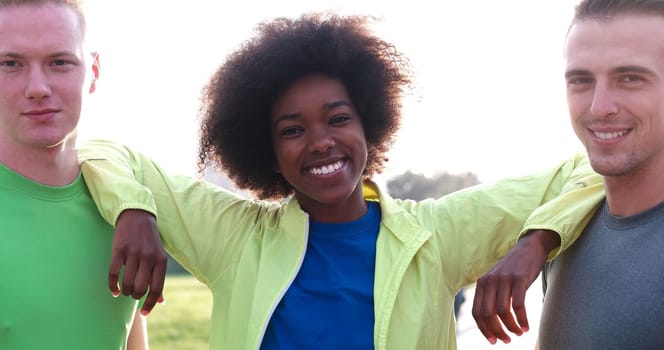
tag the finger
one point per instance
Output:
(117, 260)
(478, 306)
(519, 305)
(156, 288)
(504, 311)
(131, 267)
(491, 321)
(142, 280)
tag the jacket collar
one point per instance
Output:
(394, 217)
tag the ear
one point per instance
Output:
(95, 71)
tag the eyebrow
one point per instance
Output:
(633, 69)
(576, 72)
(326, 106)
(618, 70)
(55, 54)
(10, 54)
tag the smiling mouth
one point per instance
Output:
(609, 135)
(326, 169)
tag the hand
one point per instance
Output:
(506, 285)
(137, 247)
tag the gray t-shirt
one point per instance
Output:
(607, 290)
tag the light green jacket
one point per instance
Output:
(248, 252)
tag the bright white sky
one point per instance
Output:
(489, 98)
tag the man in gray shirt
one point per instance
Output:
(605, 291)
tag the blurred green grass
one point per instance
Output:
(183, 322)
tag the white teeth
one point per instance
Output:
(326, 169)
(609, 135)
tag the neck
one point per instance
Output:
(349, 209)
(338, 213)
(50, 166)
(636, 192)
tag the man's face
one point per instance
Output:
(42, 75)
(615, 91)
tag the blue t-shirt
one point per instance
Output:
(330, 303)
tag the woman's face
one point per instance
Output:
(320, 147)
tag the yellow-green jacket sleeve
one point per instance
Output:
(115, 185)
(571, 211)
(190, 211)
(475, 227)
(568, 210)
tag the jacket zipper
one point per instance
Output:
(283, 291)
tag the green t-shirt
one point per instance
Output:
(54, 257)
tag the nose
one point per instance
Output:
(38, 85)
(320, 140)
(604, 103)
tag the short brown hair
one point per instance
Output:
(607, 9)
(76, 5)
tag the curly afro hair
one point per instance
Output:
(237, 102)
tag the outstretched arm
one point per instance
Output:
(136, 244)
(200, 224)
(500, 294)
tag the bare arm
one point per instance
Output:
(138, 335)
(569, 212)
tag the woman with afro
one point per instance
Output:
(302, 115)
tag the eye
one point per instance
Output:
(579, 80)
(579, 83)
(10, 64)
(59, 62)
(631, 78)
(290, 131)
(340, 119)
(62, 64)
